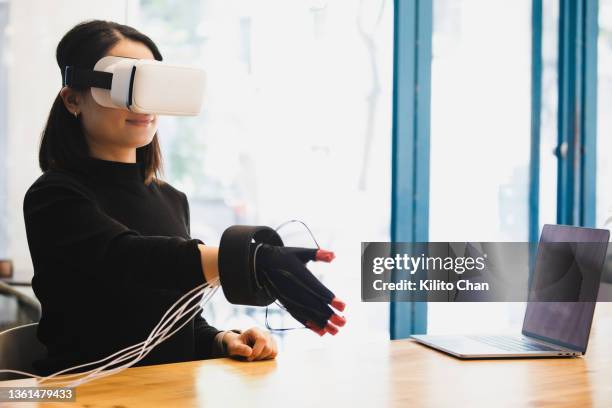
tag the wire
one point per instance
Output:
(145, 350)
(154, 336)
(198, 288)
(135, 353)
(282, 329)
(292, 301)
(305, 226)
(87, 376)
(278, 304)
(135, 356)
(161, 324)
(99, 372)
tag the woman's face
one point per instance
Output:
(111, 129)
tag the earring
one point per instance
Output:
(76, 114)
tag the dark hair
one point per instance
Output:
(63, 144)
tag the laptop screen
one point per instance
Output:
(572, 272)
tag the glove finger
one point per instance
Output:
(302, 304)
(338, 304)
(315, 328)
(290, 287)
(302, 275)
(331, 329)
(303, 254)
(308, 309)
(306, 318)
(274, 258)
(300, 287)
(337, 320)
(325, 255)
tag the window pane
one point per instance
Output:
(29, 37)
(480, 139)
(604, 119)
(548, 114)
(4, 178)
(296, 125)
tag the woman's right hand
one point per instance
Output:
(282, 272)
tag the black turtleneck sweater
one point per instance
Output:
(110, 255)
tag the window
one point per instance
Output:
(548, 114)
(604, 119)
(480, 139)
(4, 10)
(28, 39)
(296, 125)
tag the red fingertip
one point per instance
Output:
(324, 255)
(333, 330)
(337, 320)
(338, 304)
(315, 328)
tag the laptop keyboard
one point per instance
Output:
(511, 343)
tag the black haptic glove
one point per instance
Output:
(256, 269)
(282, 272)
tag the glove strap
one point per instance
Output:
(236, 266)
(259, 285)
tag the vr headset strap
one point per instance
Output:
(85, 78)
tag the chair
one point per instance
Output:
(19, 348)
(17, 307)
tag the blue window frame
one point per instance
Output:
(536, 107)
(576, 150)
(410, 172)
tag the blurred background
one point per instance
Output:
(299, 124)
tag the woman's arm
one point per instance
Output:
(209, 256)
(64, 222)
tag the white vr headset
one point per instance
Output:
(142, 85)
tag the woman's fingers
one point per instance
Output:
(265, 352)
(237, 348)
(253, 344)
(260, 343)
(270, 349)
(274, 349)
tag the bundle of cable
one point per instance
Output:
(180, 313)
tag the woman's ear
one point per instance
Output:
(72, 100)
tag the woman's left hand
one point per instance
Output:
(252, 344)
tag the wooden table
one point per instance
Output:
(377, 374)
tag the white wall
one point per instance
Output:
(35, 28)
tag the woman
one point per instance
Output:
(109, 240)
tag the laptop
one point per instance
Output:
(550, 328)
